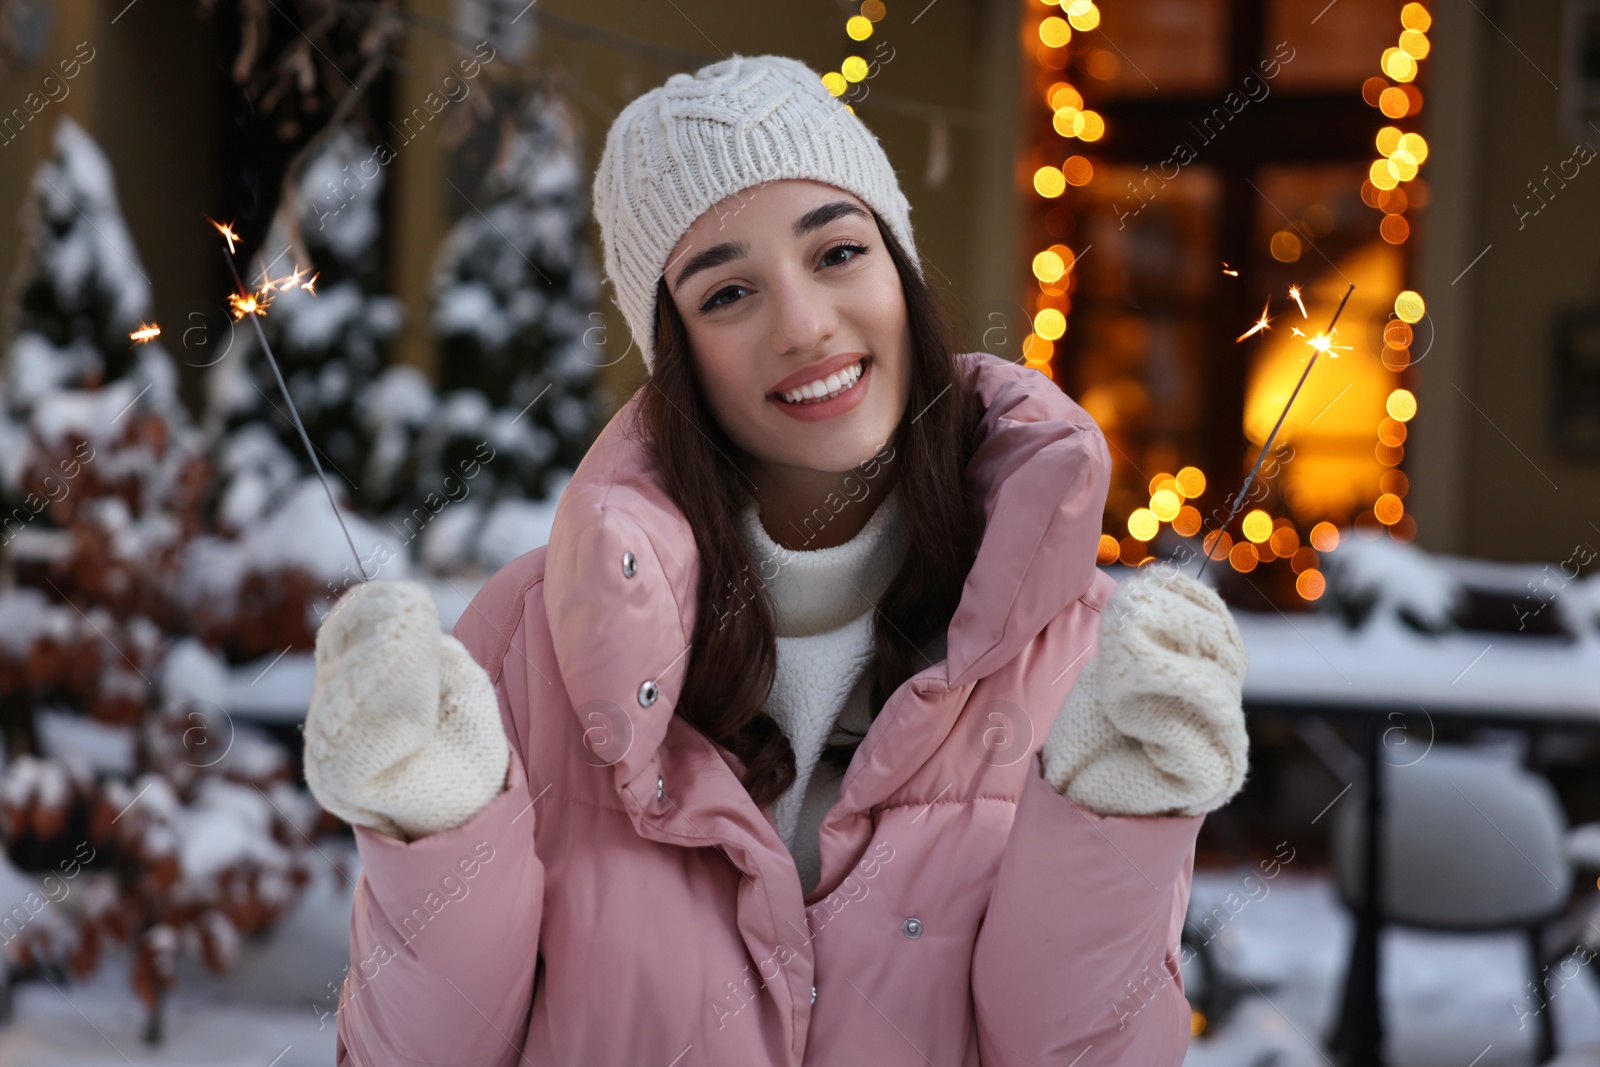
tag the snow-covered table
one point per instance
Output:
(1390, 679)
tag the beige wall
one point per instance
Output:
(1487, 480)
(145, 95)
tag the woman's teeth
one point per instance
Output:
(824, 388)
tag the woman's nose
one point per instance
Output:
(803, 316)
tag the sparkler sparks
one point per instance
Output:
(145, 333)
(254, 304)
(227, 232)
(1294, 294)
(1322, 342)
(1229, 270)
(1261, 324)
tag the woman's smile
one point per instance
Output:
(828, 395)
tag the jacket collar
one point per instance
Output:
(1041, 469)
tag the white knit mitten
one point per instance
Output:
(403, 734)
(1154, 724)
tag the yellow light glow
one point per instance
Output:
(1394, 229)
(1055, 32)
(1109, 550)
(854, 69)
(1389, 139)
(1197, 1023)
(1083, 15)
(1401, 405)
(1191, 482)
(1284, 540)
(1088, 125)
(1409, 306)
(1415, 145)
(1048, 267)
(1163, 481)
(1217, 544)
(1415, 17)
(1398, 65)
(1078, 170)
(1393, 102)
(1166, 504)
(858, 28)
(1285, 246)
(834, 82)
(1037, 352)
(1414, 43)
(1340, 397)
(1400, 167)
(1143, 524)
(1049, 181)
(1050, 324)
(1187, 522)
(1064, 95)
(1063, 120)
(1388, 509)
(1310, 583)
(1243, 557)
(1257, 525)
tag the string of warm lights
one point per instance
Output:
(1264, 537)
(854, 69)
(1052, 266)
(1400, 158)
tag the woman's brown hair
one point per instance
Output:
(733, 659)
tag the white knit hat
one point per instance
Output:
(686, 145)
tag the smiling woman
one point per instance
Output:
(805, 292)
(842, 811)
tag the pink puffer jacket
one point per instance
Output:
(625, 902)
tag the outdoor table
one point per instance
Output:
(1385, 677)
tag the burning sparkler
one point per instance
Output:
(145, 333)
(1322, 342)
(253, 304)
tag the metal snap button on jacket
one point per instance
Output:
(912, 927)
(630, 564)
(647, 693)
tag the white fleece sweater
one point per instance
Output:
(824, 600)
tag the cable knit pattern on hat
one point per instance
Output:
(824, 601)
(403, 733)
(1154, 724)
(685, 146)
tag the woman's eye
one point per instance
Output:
(855, 248)
(712, 304)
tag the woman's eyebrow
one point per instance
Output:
(728, 251)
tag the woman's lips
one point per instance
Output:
(818, 410)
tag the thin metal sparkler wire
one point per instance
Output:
(1267, 447)
(295, 412)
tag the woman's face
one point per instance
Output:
(788, 286)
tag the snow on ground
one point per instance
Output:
(274, 1008)
(1448, 998)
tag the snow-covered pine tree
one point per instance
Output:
(103, 473)
(515, 293)
(121, 762)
